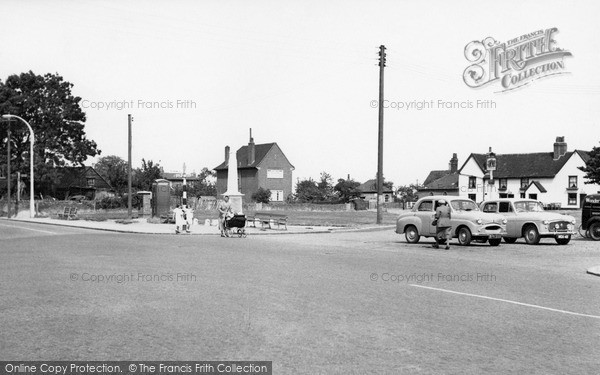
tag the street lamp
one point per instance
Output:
(31, 140)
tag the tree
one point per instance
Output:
(325, 186)
(145, 176)
(308, 191)
(347, 189)
(262, 195)
(114, 169)
(592, 167)
(407, 193)
(46, 102)
(206, 183)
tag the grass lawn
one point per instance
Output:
(320, 218)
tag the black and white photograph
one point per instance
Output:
(299, 187)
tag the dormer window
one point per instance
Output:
(524, 183)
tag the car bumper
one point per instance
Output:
(484, 231)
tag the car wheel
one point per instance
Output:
(563, 241)
(464, 236)
(510, 239)
(532, 236)
(495, 241)
(411, 234)
(595, 231)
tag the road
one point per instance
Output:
(342, 303)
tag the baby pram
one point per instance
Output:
(235, 225)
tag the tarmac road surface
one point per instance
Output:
(340, 303)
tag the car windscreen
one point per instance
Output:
(464, 205)
(528, 206)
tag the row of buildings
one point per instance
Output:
(552, 177)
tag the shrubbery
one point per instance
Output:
(262, 195)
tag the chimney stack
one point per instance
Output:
(560, 147)
(226, 154)
(454, 163)
(251, 150)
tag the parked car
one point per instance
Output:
(590, 216)
(527, 218)
(468, 222)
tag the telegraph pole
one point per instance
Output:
(380, 140)
(129, 210)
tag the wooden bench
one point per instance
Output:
(68, 213)
(266, 218)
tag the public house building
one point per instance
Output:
(550, 177)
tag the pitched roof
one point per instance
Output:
(538, 185)
(370, 186)
(260, 150)
(75, 176)
(436, 175)
(539, 164)
(447, 182)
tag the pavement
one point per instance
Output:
(142, 226)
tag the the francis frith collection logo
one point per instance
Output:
(514, 63)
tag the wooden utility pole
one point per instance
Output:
(380, 138)
(129, 210)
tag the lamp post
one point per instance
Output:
(31, 140)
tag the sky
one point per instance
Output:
(197, 75)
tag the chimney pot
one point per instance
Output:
(226, 154)
(560, 147)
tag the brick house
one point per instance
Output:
(259, 165)
(368, 192)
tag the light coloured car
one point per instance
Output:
(468, 221)
(527, 218)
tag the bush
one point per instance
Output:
(262, 196)
(110, 202)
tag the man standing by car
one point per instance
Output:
(443, 225)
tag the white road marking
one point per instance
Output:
(507, 301)
(34, 230)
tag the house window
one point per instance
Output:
(274, 173)
(276, 195)
(522, 195)
(533, 196)
(473, 197)
(524, 183)
(503, 183)
(472, 182)
(572, 182)
(91, 182)
(572, 199)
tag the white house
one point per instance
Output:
(550, 177)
